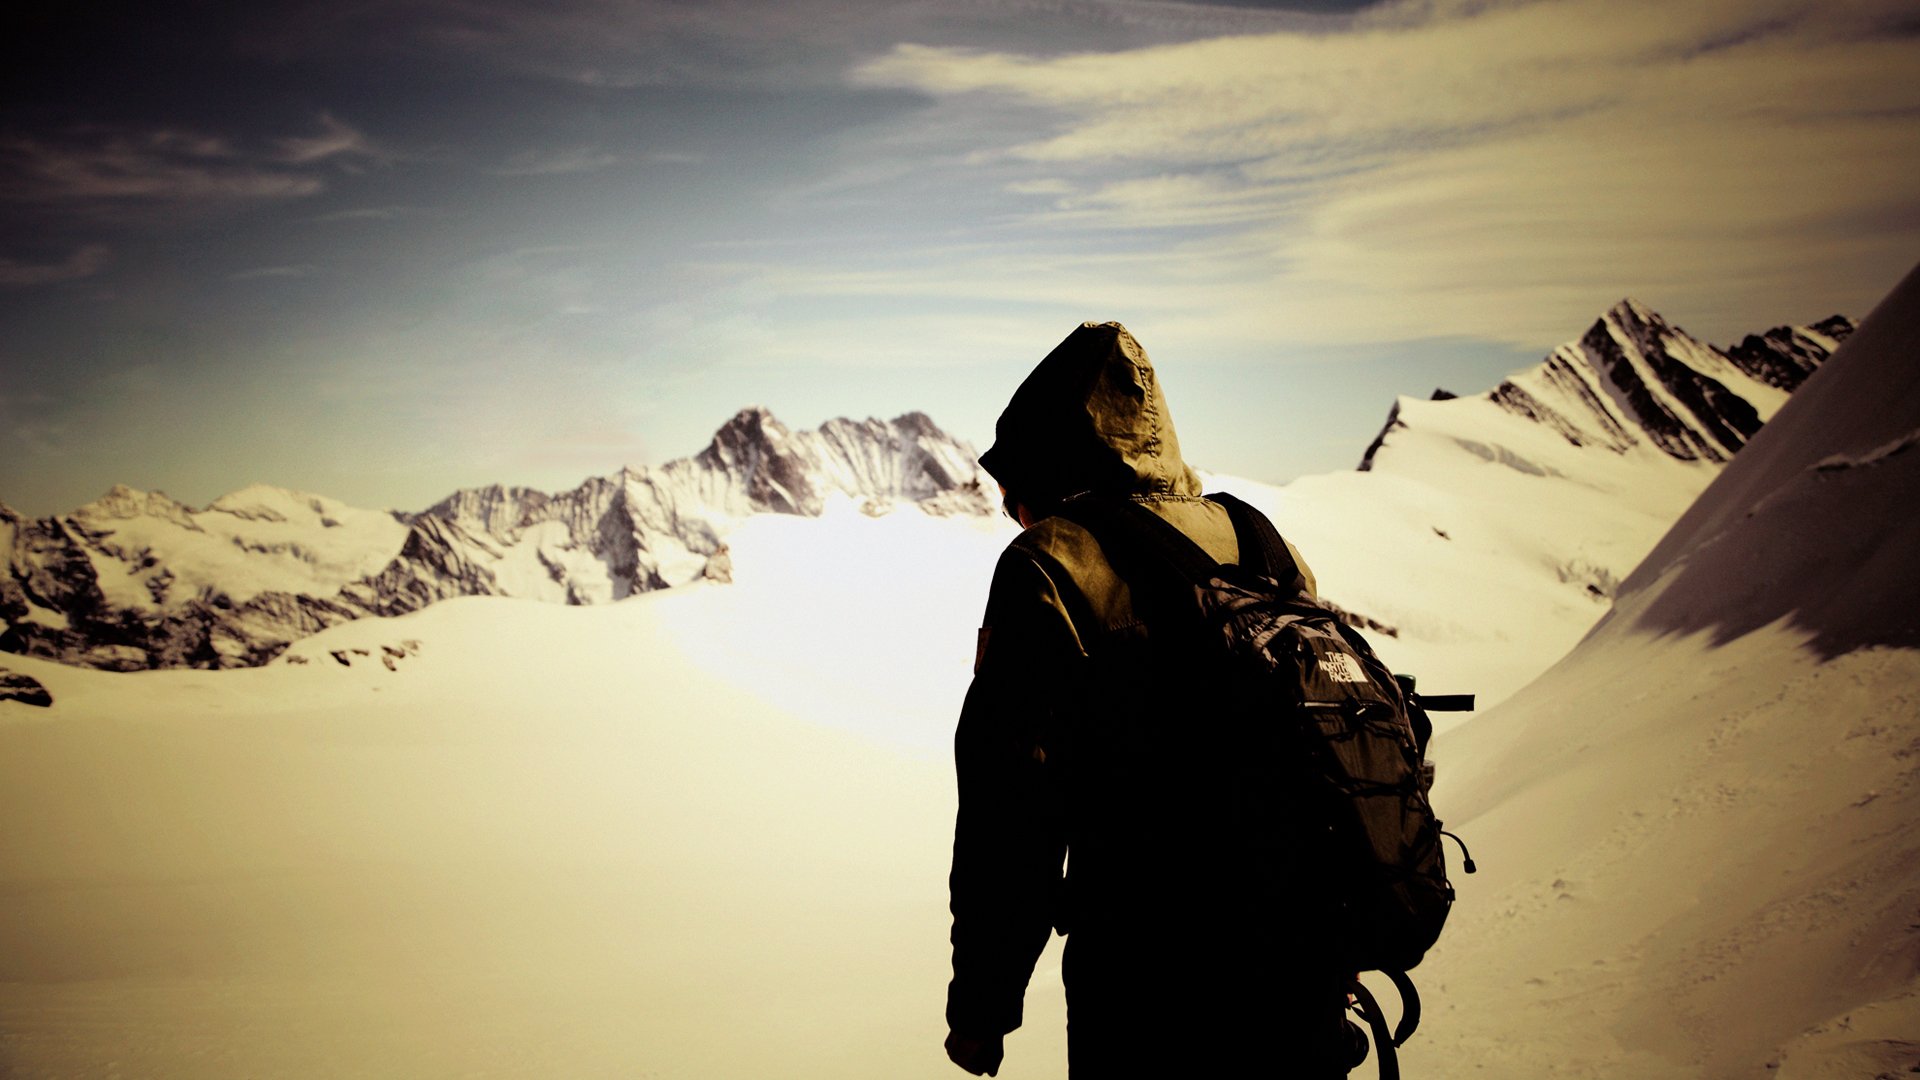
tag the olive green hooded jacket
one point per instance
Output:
(1063, 645)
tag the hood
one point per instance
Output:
(1089, 418)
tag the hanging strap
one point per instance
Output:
(1409, 1006)
(1383, 1045)
(1385, 1042)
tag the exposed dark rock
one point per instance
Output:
(755, 450)
(24, 689)
(1359, 621)
(1393, 424)
(1724, 420)
(1785, 355)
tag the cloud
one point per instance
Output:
(335, 139)
(364, 213)
(162, 166)
(1478, 169)
(1171, 201)
(259, 273)
(84, 262)
(1044, 186)
(577, 159)
(1251, 97)
(97, 165)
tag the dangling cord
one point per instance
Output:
(1467, 865)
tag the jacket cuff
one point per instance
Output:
(968, 1014)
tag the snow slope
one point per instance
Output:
(1696, 832)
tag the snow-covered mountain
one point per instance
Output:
(1633, 381)
(1484, 535)
(137, 580)
(1695, 833)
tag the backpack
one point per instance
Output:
(1344, 737)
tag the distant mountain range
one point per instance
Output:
(136, 580)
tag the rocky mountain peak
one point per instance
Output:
(753, 435)
(1634, 383)
(1630, 312)
(122, 502)
(756, 464)
(755, 452)
(493, 510)
(1785, 355)
(751, 419)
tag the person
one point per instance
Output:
(1083, 744)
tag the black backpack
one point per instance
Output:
(1348, 740)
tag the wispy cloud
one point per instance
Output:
(263, 272)
(96, 164)
(335, 140)
(1043, 186)
(174, 165)
(1488, 169)
(1172, 201)
(84, 262)
(364, 213)
(578, 159)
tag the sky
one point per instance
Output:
(384, 250)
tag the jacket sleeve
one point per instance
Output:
(1010, 839)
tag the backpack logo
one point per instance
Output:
(1341, 668)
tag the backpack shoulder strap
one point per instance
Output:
(1262, 551)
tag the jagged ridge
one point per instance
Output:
(137, 580)
(1635, 383)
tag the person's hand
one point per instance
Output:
(981, 1057)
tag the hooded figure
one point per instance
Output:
(1083, 736)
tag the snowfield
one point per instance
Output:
(544, 844)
